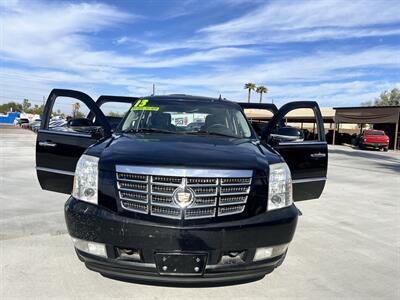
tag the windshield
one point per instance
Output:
(375, 133)
(186, 117)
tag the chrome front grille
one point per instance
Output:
(213, 192)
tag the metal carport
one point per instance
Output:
(368, 115)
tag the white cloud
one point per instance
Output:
(297, 21)
(52, 46)
(289, 15)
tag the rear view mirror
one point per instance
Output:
(287, 134)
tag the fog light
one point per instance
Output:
(269, 252)
(130, 254)
(232, 258)
(90, 247)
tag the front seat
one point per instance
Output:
(212, 120)
(162, 121)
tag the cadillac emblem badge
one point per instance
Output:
(183, 196)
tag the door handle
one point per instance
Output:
(317, 155)
(47, 144)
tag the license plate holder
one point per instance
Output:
(181, 264)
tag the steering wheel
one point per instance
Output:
(219, 128)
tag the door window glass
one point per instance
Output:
(70, 115)
(297, 125)
(114, 112)
(258, 118)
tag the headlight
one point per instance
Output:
(279, 186)
(86, 179)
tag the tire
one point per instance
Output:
(361, 146)
(386, 149)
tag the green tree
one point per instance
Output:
(10, 106)
(386, 98)
(26, 105)
(261, 90)
(391, 98)
(58, 113)
(79, 114)
(115, 114)
(250, 87)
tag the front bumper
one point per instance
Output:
(375, 145)
(93, 223)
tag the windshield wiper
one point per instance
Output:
(205, 132)
(136, 130)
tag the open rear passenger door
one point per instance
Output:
(304, 149)
(59, 146)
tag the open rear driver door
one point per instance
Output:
(58, 148)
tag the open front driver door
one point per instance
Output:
(59, 148)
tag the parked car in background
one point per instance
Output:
(194, 126)
(22, 121)
(34, 126)
(57, 123)
(376, 139)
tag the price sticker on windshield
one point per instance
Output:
(142, 105)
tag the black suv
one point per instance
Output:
(154, 201)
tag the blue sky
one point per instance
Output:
(339, 53)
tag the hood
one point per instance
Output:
(211, 152)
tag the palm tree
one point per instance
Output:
(251, 87)
(261, 89)
(75, 109)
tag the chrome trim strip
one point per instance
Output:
(131, 190)
(62, 172)
(165, 184)
(73, 133)
(183, 172)
(132, 180)
(178, 217)
(231, 212)
(308, 180)
(126, 188)
(171, 205)
(202, 216)
(303, 143)
(193, 185)
(146, 201)
(136, 210)
(233, 203)
(234, 184)
(161, 194)
(196, 204)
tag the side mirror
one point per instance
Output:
(287, 134)
(97, 133)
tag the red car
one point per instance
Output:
(374, 139)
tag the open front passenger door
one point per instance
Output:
(305, 151)
(296, 131)
(59, 145)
